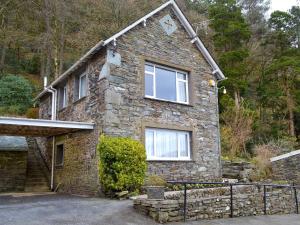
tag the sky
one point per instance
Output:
(282, 5)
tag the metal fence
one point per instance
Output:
(222, 184)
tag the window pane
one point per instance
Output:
(65, 97)
(181, 76)
(165, 84)
(149, 68)
(183, 144)
(149, 84)
(182, 91)
(82, 86)
(150, 143)
(59, 154)
(166, 144)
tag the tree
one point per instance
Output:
(15, 94)
(282, 75)
(231, 34)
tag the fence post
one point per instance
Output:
(296, 200)
(265, 200)
(231, 201)
(184, 204)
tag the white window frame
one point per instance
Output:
(153, 74)
(179, 157)
(79, 86)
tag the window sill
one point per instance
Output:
(168, 101)
(59, 167)
(79, 100)
(170, 160)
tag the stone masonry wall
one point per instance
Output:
(79, 174)
(13, 166)
(287, 169)
(215, 203)
(116, 102)
(129, 112)
(241, 171)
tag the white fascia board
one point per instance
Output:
(198, 42)
(72, 68)
(284, 156)
(46, 123)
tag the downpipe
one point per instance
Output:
(53, 91)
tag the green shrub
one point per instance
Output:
(122, 164)
(155, 180)
(15, 94)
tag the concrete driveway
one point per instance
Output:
(56, 209)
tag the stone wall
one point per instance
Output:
(237, 170)
(116, 102)
(79, 173)
(129, 112)
(215, 203)
(13, 166)
(287, 168)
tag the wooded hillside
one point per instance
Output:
(260, 57)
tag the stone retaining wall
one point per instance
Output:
(287, 167)
(215, 203)
(13, 166)
(237, 170)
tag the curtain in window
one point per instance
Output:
(150, 143)
(182, 91)
(166, 144)
(183, 144)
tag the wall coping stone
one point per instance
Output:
(284, 156)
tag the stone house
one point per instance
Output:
(153, 81)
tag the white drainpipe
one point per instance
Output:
(53, 91)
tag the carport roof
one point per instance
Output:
(37, 127)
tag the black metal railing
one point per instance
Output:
(222, 184)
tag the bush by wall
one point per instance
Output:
(15, 94)
(122, 164)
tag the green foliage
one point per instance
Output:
(15, 94)
(155, 180)
(231, 34)
(122, 164)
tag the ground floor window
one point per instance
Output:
(163, 144)
(59, 158)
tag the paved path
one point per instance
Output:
(71, 210)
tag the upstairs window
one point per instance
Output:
(82, 86)
(166, 83)
(62, 97)
(163, 144)
(80, 89)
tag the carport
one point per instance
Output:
(40, 128)
(13, 126)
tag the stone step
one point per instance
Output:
(36, 180)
